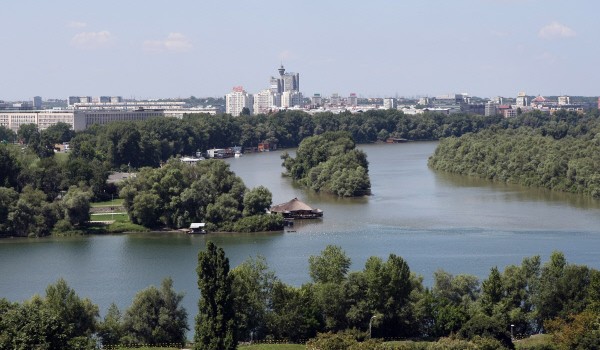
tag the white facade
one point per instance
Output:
(266, 101)
(522, 100)
(390, 103)
(43, 119)
(77, 119)
(291, 99)
(237, 100)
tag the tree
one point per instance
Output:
(6, 134)
(329, 267)
(59, 133)
(8, 199)
(156, 316)
(9, 168)
(215, 323)
(111, 330)
(253, 292)
(27, 132)
(60, 320)
(257, 200)
(491, 291)
(76, 206)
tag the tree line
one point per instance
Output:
(384, 300)
(330, 163)
(561, 152)
(150, 142)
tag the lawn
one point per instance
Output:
(273, 347)
(120, 217)
(534, 341)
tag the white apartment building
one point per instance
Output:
(390, 103)
(291, 99)
(237, 100)
(265, 101)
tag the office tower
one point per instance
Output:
(352, 100)
(37, 102)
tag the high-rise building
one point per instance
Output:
(352, 100)
(291, 99)
(390, 103)
(237, 100)
(522, 100)
(286, 82)
(265, 101)
(316, 100)
(490, 109)
(37, 102)
(334, 100)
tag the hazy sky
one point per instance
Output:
(178, 48)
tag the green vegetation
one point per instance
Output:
(109, 217)
(216, 319)
(559, 152)
(273, 347)
(330, 163)
(148, 143)
(178, 194)
(337, 310)
(536, 341)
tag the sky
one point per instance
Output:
(376, 48)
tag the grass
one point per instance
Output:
(273, 347)
(117, 202)
(533, 341)
(109, 217)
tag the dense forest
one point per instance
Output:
(330, 163)
(559, 152)
(384, 300)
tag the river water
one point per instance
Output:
(433, 220)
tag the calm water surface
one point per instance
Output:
(433, 220)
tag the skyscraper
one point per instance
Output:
(37, 102)
(286, 81)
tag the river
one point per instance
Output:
(433, 220)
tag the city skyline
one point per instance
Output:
(418, 48)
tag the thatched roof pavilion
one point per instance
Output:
(296, 209)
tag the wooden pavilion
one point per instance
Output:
(296, 209)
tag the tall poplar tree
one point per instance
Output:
(215, 323)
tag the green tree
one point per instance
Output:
(8, 200)
(59, 133)
(156, 316)
(331, 266)
(215, 322)
(253, 291)
(7, 135)
(257, 200)
(111, 330)
(60, 320)
(27, 132)
(9, 167)
(492, 292)
(76, 206)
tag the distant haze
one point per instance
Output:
(151, 49)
